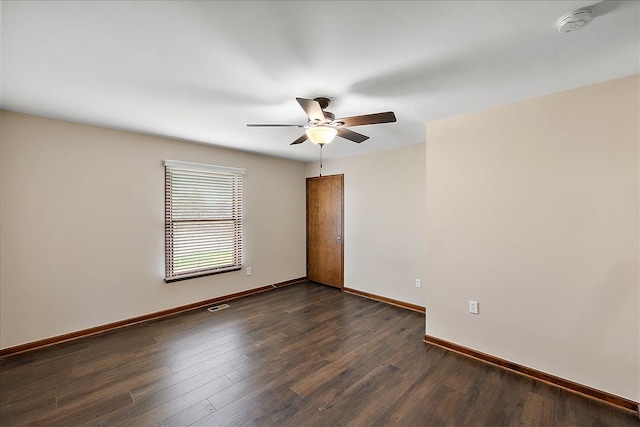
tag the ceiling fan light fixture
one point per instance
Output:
(321, 135)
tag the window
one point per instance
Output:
(203, 219)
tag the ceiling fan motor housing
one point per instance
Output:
(323, 101)
(329, 116)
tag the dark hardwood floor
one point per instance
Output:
(302, 355)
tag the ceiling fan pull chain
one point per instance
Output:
(321, 159)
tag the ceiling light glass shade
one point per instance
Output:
(321, 134)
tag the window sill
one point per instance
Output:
(201, 274)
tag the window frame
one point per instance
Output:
(222, 185)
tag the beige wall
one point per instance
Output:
(533, 211)
(384, 224)
(82, 226)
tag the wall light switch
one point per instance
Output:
(473, 307)
(248, 271)
(418, 283)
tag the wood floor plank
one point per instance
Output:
(366, 415)
(273, 375)
(171, 386)
(87, 413)
(207, 421)
(538, 410)
(149, 412)
(572, 409)
(334, 403)
(227, 362)
(206, 343)
(449, 401)
(192, 415)
(102, 386)
(482, 396)
(225, 348)
(11, 414)
(414, 407)
(513, 399)
(81, 376)
(602, 414)
(301, 355)
(257, 408)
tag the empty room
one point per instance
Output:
(336, 213)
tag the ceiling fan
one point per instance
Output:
(323, 125)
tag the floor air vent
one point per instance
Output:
(218, 307)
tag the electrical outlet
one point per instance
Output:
(248, 271)
(473, 307)
(418, 283)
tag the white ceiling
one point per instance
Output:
(199, 71)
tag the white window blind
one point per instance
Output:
(203, 219)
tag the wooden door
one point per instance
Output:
(325, 249)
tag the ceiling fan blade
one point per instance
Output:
(369, 119)
(272, 125)
(312, 108)
(300, 140)
(351, 135)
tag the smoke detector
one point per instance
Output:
(573, 21)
